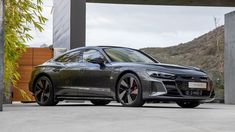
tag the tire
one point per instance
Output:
(44, 92)
(188, 104)
(129, 91)
(100, 102)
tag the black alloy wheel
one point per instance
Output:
(100, 102)
(129, 91)
(188, 104)
(44, 92)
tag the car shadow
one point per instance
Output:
(148, 106)
(174, 107)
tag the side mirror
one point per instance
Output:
(99, 61)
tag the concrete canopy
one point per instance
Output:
(225, 3)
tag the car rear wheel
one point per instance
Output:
(100, 102)
(44, 92)
(129, 91)
(188, 104)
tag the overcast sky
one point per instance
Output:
(139, 26)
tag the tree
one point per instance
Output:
(19, 17)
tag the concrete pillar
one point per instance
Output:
(229, 58)
(1, 53)
(69, 26)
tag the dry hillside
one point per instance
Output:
(205, 52)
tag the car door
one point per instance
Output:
(96, 78)
(69, 73)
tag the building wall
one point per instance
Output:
(31, 58)
(229, 58)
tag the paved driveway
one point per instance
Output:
(114, 118)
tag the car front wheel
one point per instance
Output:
(129, 91)
(188, 104)
(44, 92)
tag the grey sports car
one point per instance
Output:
(102, 74)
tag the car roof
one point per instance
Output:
(99, 47)
(93, 47)
(113, 47)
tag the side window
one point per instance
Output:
(70, 57)
(91, 55)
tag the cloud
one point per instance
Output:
(149, 26)
(139, 39)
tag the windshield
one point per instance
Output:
(127, 55)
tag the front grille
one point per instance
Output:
(182, 85)
(185, 90)
(187, 77)
(206, 93)
(191, 78)
(192, 92)
(196, 92)
(204, 78)
(171, 88)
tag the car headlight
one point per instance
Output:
(162, 75)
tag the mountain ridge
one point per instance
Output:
(205, 52)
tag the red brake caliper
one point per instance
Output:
(134, 88)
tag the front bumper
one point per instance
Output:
(178, 90)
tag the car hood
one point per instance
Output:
(168, 68)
